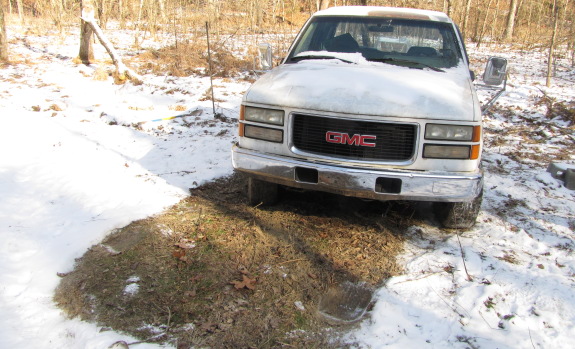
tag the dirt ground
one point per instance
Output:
(214, 272)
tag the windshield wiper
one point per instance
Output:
(305, 57)
(405, 63)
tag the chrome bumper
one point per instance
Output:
(362, 183)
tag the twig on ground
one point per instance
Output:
(485, 320)
(419, 278)
(291, 261)
(469, 278)
(453, 308)
(531, 339)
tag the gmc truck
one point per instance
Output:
(371, 102)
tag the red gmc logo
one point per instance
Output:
(344, 138)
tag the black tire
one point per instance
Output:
(261, 192)
(458, 215)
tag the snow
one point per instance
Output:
(132, 286)
(519, 257)
(70, 173)
(335, 85)
(73, 169)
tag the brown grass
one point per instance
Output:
(192, 58)
(215, 272)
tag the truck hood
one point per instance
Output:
(369, 89)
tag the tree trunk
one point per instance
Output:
(508, 35)
(495, 33)
(562, 19)
(322, 4)
(3, 38)
(466, 17)
(103, 12)
(20, 11)
(450, 8)
(573, 44)
(57, 10)
(552, 44)
(482, 31)
(122, 73)
(121, 14)
(86, 54)
(138, 24)
(528, 25)
(162, 6)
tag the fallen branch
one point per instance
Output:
(469, 278)
(122, 72)
(420, 277)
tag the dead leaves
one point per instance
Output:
(179, 254)
(183, 251)
(246, 282)
(186, 244)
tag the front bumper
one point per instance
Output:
(362, 183)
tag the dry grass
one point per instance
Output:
(215, 272)
(192, 58)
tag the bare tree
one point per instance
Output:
(484, 25)
(86, 54)
(552, 44)
(448, 6)
(162, 9)
(572, 34)
(20, 11)
(322, 4)
(508, 35)
(57, 12)
(3, 39)
(466, 16)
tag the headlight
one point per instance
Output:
(438, 151)
(263, 133)
(452, 132)
(266, 116)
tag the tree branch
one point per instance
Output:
(122, 71)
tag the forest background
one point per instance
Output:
(545, 25)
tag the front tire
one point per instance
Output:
(261, 192)
(458, 215)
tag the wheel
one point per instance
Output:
(458, 215)
(262, 192)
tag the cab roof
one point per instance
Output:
(379, 11)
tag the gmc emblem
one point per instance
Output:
(344, 138)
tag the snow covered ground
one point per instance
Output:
(510, 281)
(71, 172)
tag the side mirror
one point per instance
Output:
(265, 55)
(495, 71)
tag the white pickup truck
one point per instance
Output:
(371, 102)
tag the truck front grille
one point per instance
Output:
(355, 140)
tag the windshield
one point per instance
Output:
(394, 41)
